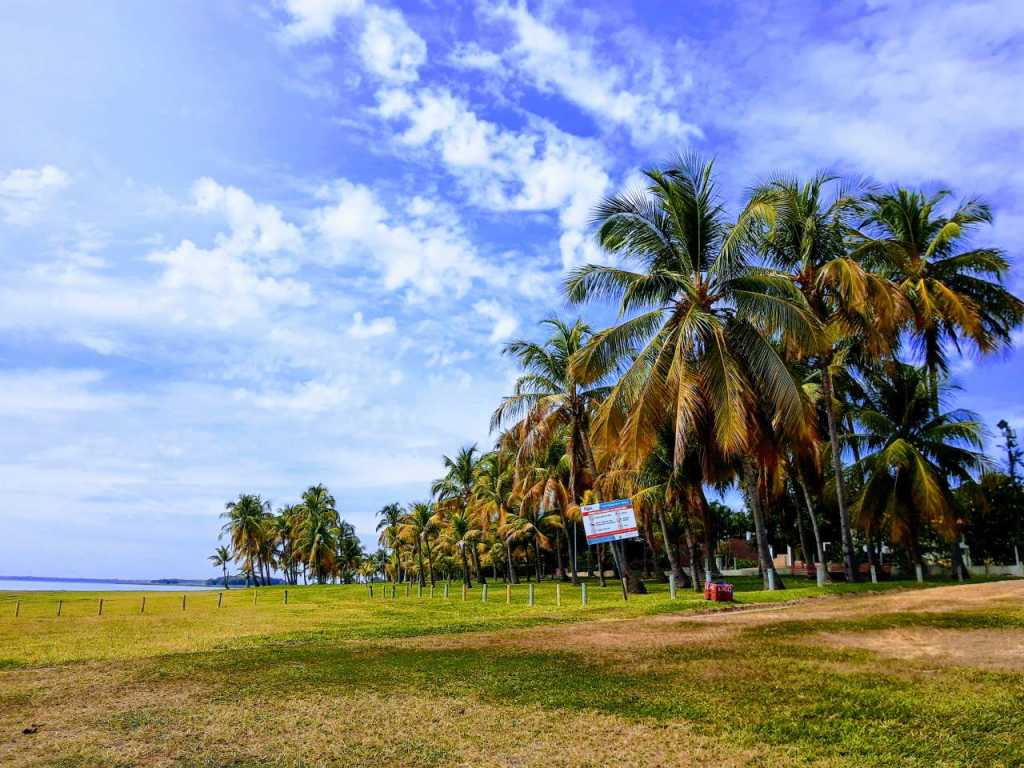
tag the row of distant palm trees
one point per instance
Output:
(308, 540)
(799, 353)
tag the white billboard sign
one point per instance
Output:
(609, 521)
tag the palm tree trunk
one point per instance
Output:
(753, 493)
(480, 577)
(536, 557)
(710, 566)
(465, 566)
(559, 566)
(673, 561)
(600, 564)
(512, 576)
(430, 562)
(813, 518)
(419, 561)
(849, 566)
(226, 576)
(634, 584)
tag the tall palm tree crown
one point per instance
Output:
(700, 347)
(955, 291)
(913, 454)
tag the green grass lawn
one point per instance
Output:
(337, 678)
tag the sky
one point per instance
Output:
(256, 246)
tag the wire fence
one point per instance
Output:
(71, 605)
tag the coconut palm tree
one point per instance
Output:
(548, 403)
(465, 536)
(494, 495)
(914, 453)
(389, 529)
(418, 526)
(454, 491)
(246, 526)
(220, 558)
(317, 534)
(698, 344)
(802, 229)
(544, 485)
(529, 525)
(955, 291)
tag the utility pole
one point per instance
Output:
(1014, 456)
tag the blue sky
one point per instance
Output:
(257, 246)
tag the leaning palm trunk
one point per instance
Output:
(849, 567)
(753, 492)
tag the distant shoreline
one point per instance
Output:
(87, 580)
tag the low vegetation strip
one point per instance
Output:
(329, 682)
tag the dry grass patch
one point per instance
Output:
(1001, 650)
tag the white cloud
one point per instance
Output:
(568, 65)
(25, 192)
(315, 19)
(380, 326)
(424, 254)
(218, 287)
(505, 323)
(917, 93)
(254, 227)
(389, 48)
(472, 56)
(538, 169)
(44, 393)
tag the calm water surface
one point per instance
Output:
(18, 585)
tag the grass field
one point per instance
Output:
(899, 675)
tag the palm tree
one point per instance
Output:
(464, 535)
(549, 403)
(418, 524)
(955, 291)
(544, 485)
(914, 454)
(317, 533)
(220, 558)
(698, 346)
(389, 529)
(527, 526)
(454, 491)
(494, 495)
(803, 230)
(246, 526)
